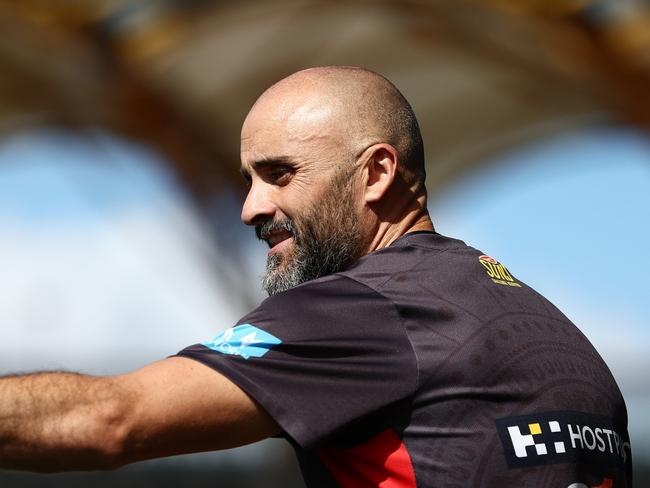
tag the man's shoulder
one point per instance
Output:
(360, 289)
(414, 261)
(412, 254)
(322, 294)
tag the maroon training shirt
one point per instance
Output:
(427, 364)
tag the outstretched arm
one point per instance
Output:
(66, 421)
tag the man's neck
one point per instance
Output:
(388, 232)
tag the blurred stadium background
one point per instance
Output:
(120, 240)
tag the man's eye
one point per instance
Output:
(280, 174)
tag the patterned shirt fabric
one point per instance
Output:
(428, 364)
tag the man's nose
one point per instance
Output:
(259, 205)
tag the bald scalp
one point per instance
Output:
(367, 107)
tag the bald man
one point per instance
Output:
(387, 354)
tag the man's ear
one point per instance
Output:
(381, 167)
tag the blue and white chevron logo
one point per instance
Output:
(243, 340)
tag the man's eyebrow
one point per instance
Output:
(266, 163)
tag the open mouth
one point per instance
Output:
(275, 238)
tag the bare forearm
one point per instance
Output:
(59, 421)
(64, 421)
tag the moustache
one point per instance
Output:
(265, 229)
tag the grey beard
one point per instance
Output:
(327, 239)
(313, 258)
(276, 280)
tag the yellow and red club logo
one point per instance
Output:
(497, 272)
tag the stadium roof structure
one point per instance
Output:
(483, 76)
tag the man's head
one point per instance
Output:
(334, 157)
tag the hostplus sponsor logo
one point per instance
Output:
(561, 437)
(243, 340)
(497, 272)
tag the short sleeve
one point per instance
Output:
(318, 357)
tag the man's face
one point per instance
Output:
(301, 198)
